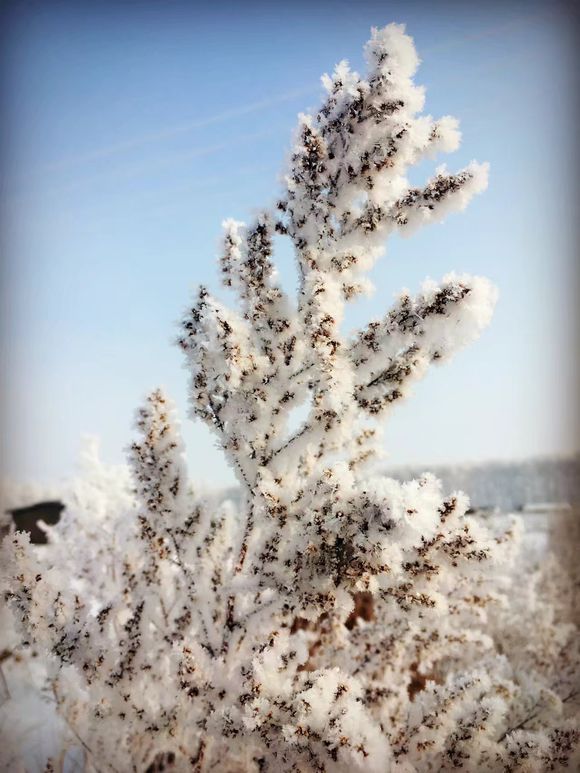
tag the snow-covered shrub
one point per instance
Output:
(335, 620)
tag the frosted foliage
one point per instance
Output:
(333, 620)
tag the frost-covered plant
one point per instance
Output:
(334, 620)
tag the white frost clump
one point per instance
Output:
(334, 621)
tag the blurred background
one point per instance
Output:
(131, 130)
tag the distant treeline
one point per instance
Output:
(507, 485)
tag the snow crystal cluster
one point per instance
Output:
(334, 620)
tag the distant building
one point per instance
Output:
(26, 519)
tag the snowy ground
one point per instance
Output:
(541, 529)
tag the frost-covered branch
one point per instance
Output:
(329, 619)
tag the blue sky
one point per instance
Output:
(129, 134)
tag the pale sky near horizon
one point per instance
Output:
(129, 134)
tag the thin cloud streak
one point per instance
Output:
(151, 165)
(175, 131)
(256, 107)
